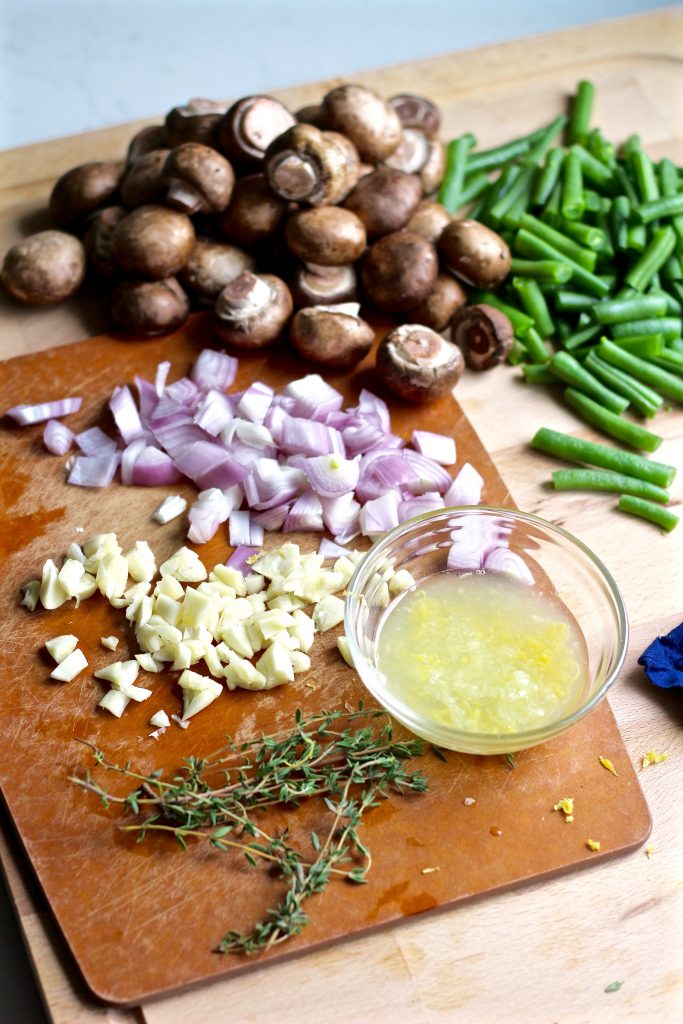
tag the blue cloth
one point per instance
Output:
(663, 659)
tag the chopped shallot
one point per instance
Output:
(25, 415)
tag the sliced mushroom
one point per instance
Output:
(416, 112)
(252, 310)
(484, 334)
(418, 364)
(474, 253)
(149, 307)
(97, 240)
(213, 265)
(144, 141)
(249, 127)
(153, 241)
(142, 179)
(194, 121)
(399, 271)
(438, 307)
(198, 179)
(333, 336)
(315, 286)
(359, 113)
(327, 235)
(429, 220)
(307, 165)
(82, 190)
(385, 200)
(420, 153)
(44, 268)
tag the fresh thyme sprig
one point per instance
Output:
(349, 760)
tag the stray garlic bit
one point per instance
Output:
(61, 646)
(606, 763)
(69, 667)
(566, 804)
(160, 720)
(170, 508)
(652, 758)
(593, 844)
(110, 642)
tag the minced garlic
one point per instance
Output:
(593, 844)
(606, 763)
(566, 804)
(652, 758)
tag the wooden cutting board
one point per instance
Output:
(143, 920)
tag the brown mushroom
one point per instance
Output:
(144, 141)
(198, 179)
(420, 153)
(97, 240)
(149, 307)
(194, 121)
(418, 364)
(44, 268)
(416, 112)
(252, 310)
(474, 253)
(142, 179)
(359, 113)
(316, 285)
(211, 266)
(399, 271)
(484, 334)
(254, 214)
(249, 127)
(429, 220)
(311, 114)
(385, 200)
(307, 165)
(438, 307)
(82, 190)
(327, 235)
(333, 336)
(153, 241)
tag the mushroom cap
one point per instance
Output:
(252, 310)
(254, 213)
(484, 334)
(331, 337)
(327, 235)
(438, 307)
(141, 182)
(212, 265)
(194, 121)
(44, 268)
(363, 116)
(82, 190)
(307, 165)
(97, 240)
(399, 271)
(421, 153)
(314, 286)
(144, 141)
(417, 363)
(250, 125)
(198, 178)
(429, 220)
(416, 111)
(149, 307)
(312, 113)
(153, 241)
(474, 253)
(385, 200)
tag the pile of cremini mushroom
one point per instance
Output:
(282, 223)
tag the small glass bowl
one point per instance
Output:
(558, 563)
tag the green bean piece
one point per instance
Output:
(672, 270)
(631, 145)
(615, 311)
(473, 187)
(517, 353)
(673, 306)
(534, 304)
(540, 145)
(573, 203)
(677, 345)
(584, 319)
(578, 338)
(625, 385)
(562, 329)
(450, 191)
(619, 215)
(659, 209)
(581, 113)
(592, 169)
(587, 235)
(488, 159)
(645, 345)
(604, 480)
(646, 179)
(537, 350)
(575, 449)
(521, 323)
(610, 423)
(592, 200)
(476, 211)
(663, 517)
(573, 302)
(636, 238)
(519, 190)
(663, 381)
(670, 359)
(538, 373)
(655, 256)
(531, 245)
(625, 186)
(548, 178)
(601, 148)
(577, 253)
(602, 224)
(669, 184)
(499, 188)
(547, 271)
(568, 369)
(668, 326)
(677, 288)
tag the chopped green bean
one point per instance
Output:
(581, 113)
(646, 402)
(630, 146)
(587, 235)
(502, 184)
(551, 210)
(668, 326)
(646, 179)
(616, 311)
(592, 169)
(604, 480)
(601, 148)
(567, 246)
(602, 224)
(548, 177)
(542, 270)
(636, 238)
(575, 449)
(533, 246)
(663, 381)
(564, 366)
(578, 338)
(673, 306)
(473, 187)
(573, 203)
(663, 517)
(623, 430)
(592, 200)
(623, 183)
(450, 192)
(677, 345)
(646, 345)
(655, 256)
(487, 159)
(537, 350)
(672, 270)
(573, 302)
(520, 190)
(538, 373)
(669, 185)
(619, 214)
(659, 209)
(517, 353)
(533, 301)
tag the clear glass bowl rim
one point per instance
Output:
(529, 737)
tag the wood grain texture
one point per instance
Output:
(545, 952)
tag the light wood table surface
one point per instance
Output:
(545, 952)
